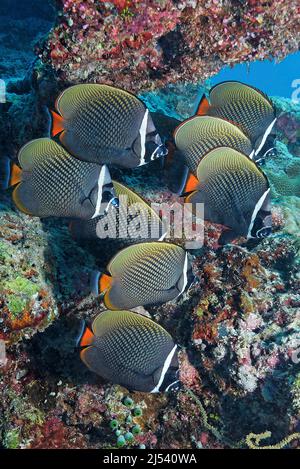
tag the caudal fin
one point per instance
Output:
(57, 125)
(176, 173)
(203, 107)
(100, 282)
(10, 173)
(85, 337)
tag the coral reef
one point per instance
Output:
(149, 43)
(26, 300)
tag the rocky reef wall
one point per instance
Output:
(147, 44)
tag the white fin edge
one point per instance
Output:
(251, 156)
(164, 370)
(255, 212)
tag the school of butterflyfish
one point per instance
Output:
(95, 127)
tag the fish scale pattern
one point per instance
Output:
(99, 116)
(54, 185)
(229, 170)
(242, 106)
(202, 133)
(149, 271)
(124, 333)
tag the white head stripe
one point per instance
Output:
(185, 279)
(267, 132)
(164, 370)
(252, 154)
(143, 130)
(101, 179)
(255, 212)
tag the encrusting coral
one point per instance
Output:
(146, 44)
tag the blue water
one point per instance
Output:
(272, 77)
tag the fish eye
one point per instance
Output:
(115, 202)
(261, 161)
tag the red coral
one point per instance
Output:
(125, 41)
(55, 435)
(129, 42)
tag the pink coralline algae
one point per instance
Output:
(245, 305)
(289, 126)
(146, 44)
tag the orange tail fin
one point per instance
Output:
(86, 338)
(191, 184)
(15, 175)
(100, 282)
(10, 173)
(57, 124)
(203, 107)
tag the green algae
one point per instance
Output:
(4, 252)
(22, 290)
(31, 417)
(23, 286)
(16, 305)
(12, 439)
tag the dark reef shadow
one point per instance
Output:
(54, 354)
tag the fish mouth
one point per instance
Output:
(159, 152)
(155, 148)
(174, 387)
(264, 232)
